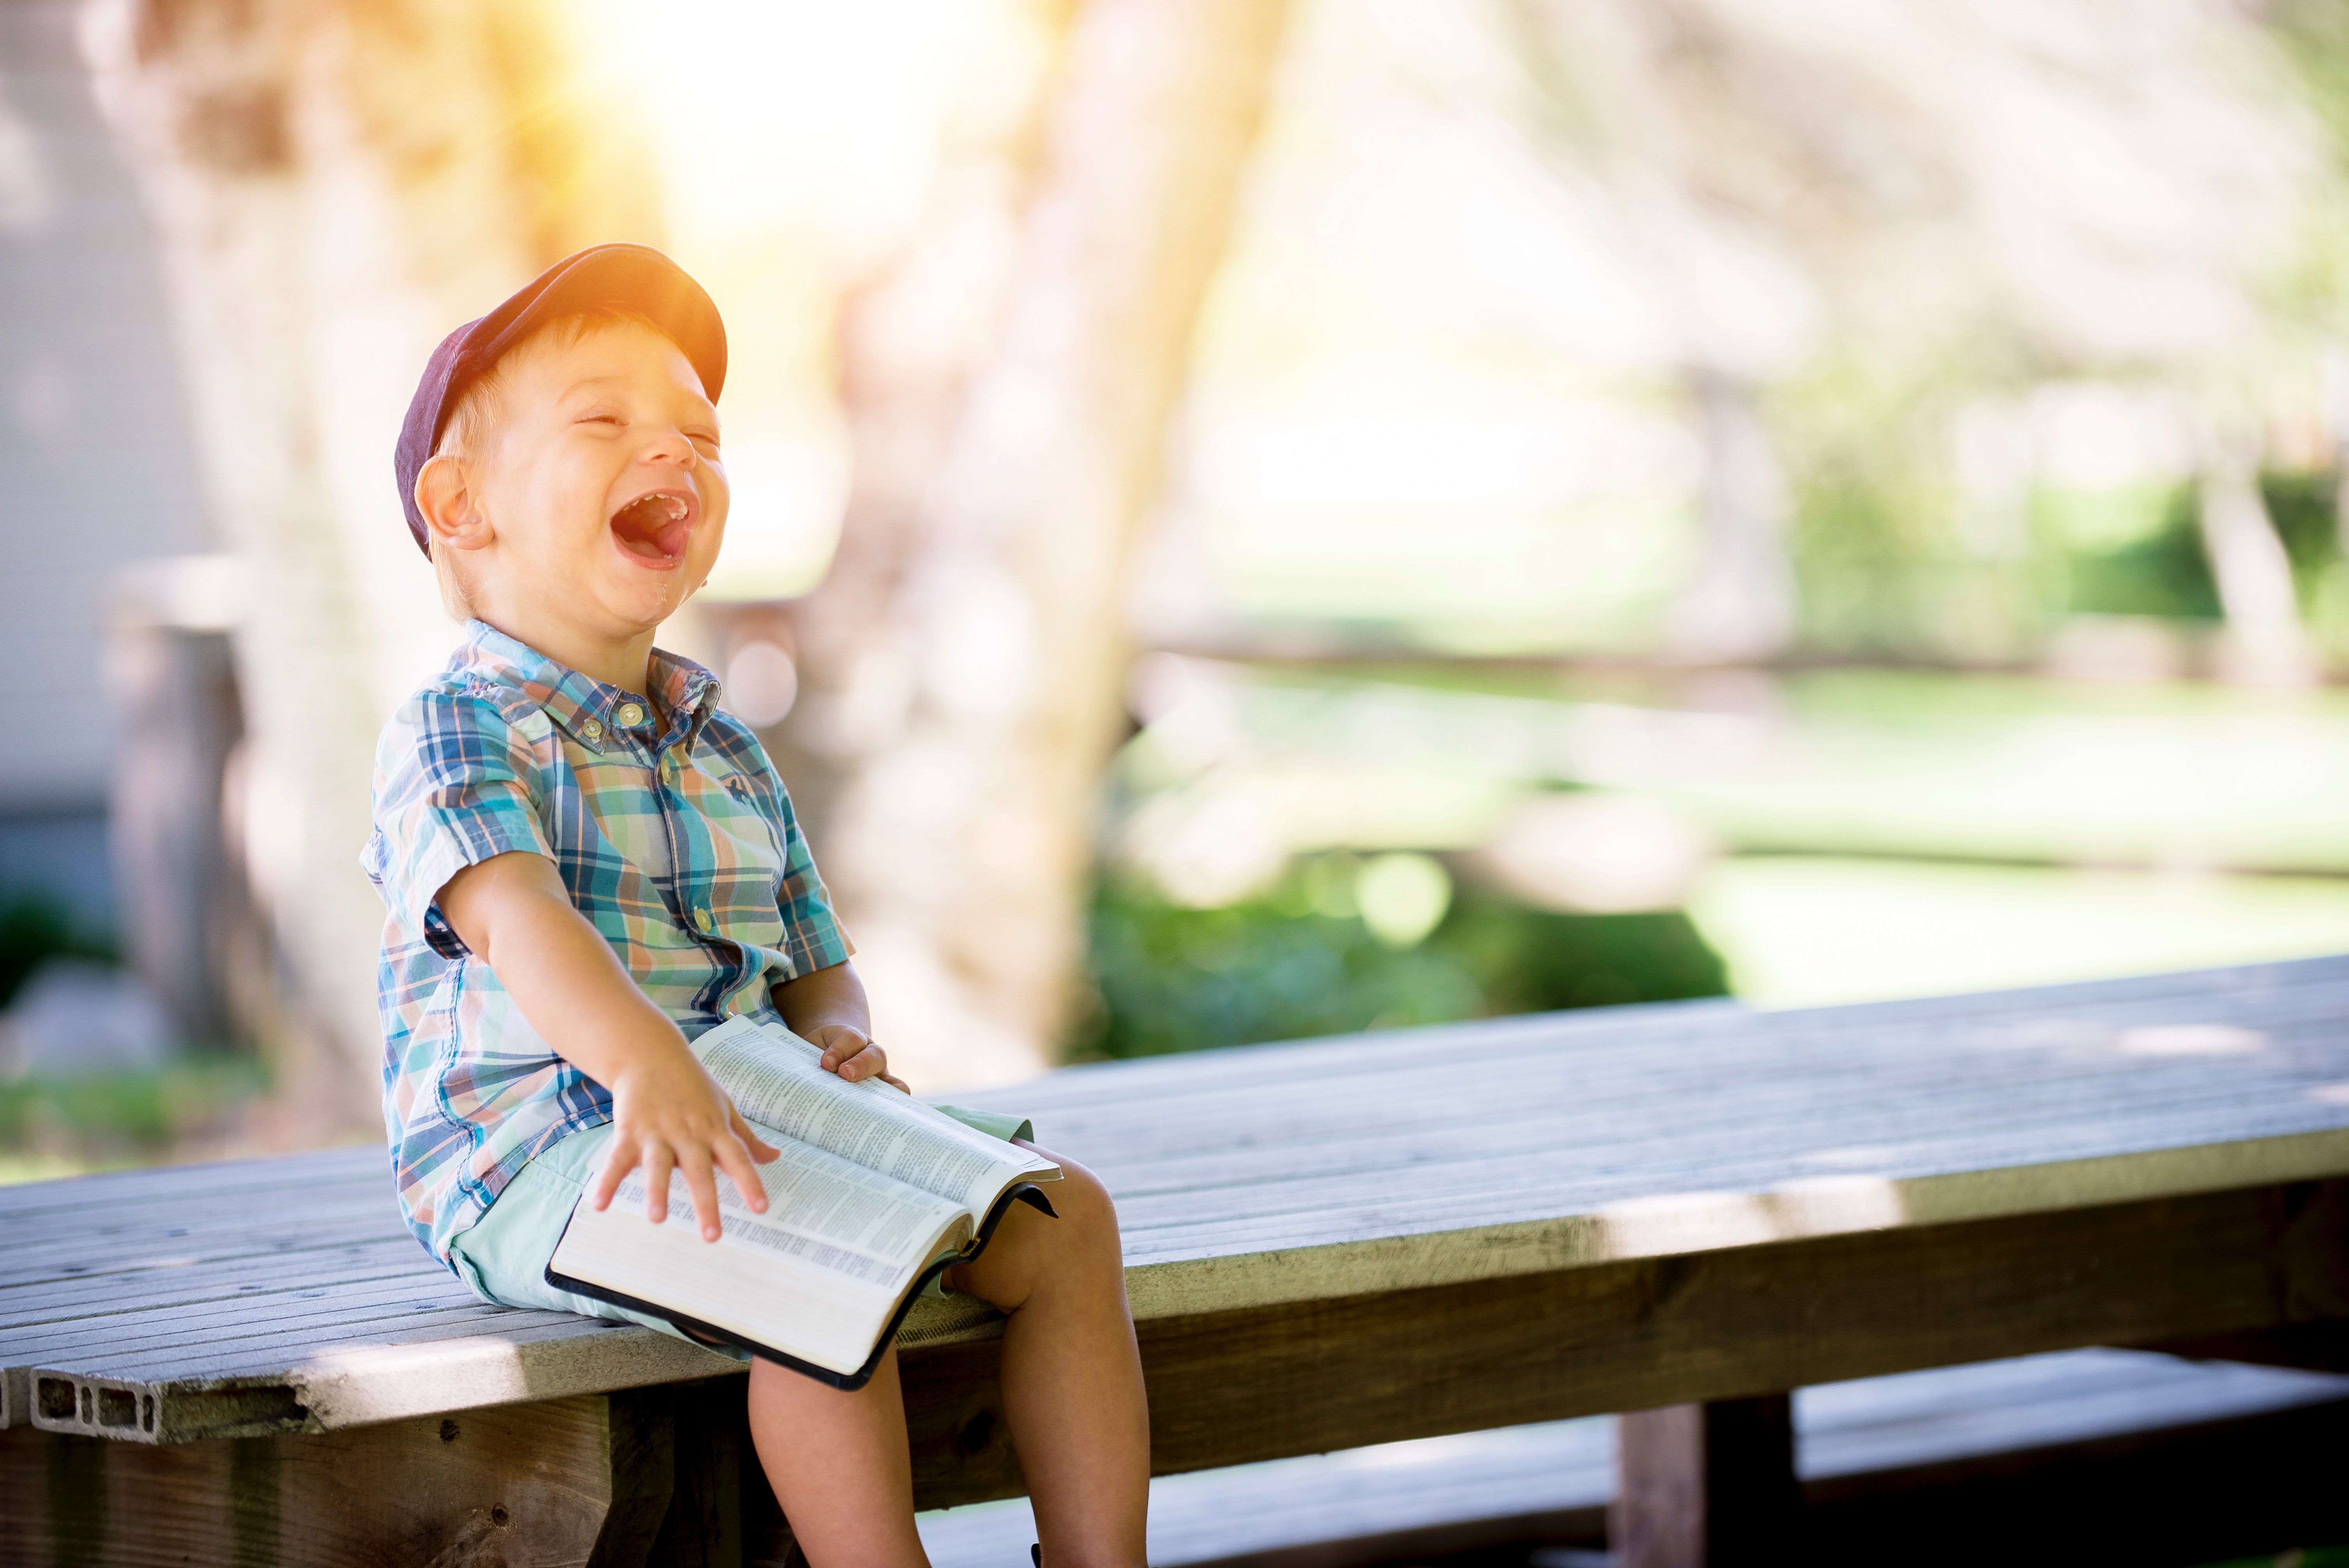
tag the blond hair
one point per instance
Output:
(476, 423)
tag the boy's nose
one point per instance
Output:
(673, 448)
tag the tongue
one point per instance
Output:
(645, 528)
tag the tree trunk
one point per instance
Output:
(334, 185)
(2265, 644)
(963, 666)
(1738, 605)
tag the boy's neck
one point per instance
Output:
(626, 664)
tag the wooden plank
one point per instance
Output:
(495, 1357)
(1945, 1094)
(1707, 1485)
(239, 1358)
(264, 1352)
(264, 1175)
(240, 1316)
(1360, 1099)
(1552, 1481)
(1594, 1147)
(1235, 1387)
(225, 1279)
(2255, 1487)
(1686, 1027)
(91, 1238)
(1214, 1271)
(619, 1481)
(527, 1485)
(1783, 1115)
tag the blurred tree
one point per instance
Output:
(334, 185)
(963, 664)
(1965, 200)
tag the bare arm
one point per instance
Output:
(826, 1007)
(668, 1112)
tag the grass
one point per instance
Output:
(63, 1125)
(1812, 930)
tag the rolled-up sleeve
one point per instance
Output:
(812, 936)
(456, 783)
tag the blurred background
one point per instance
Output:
(1253, 518)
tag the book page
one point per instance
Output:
(820, 1209)
(775, 1079)
(817, 1276)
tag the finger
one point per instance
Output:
(735, 1156)
(658, 1162)
(900, 1085)
(702, 1185)
(761, 1150)
(841, 1046)
(870, 1062)
(619, 1159)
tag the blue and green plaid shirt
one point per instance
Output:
(671, 831)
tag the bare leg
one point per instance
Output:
(839, 1465)
(1072, 1392)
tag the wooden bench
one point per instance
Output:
(2076, 1456)
(1683, 1210)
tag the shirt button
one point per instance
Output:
(629, 715)
(592, 730)
(701, 918)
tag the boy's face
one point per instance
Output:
(602, 482)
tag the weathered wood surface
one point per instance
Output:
(1707, 1485)
(650, 1478)
(1553, 1481)
(1265, 1382)
(1422, 1231)
(527, 1484)
(622, 1481)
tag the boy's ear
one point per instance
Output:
(452, 514)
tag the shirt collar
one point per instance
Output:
(586, 707)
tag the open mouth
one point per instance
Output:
(655, 527)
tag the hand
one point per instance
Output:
(668, 1113)
(850, 1052)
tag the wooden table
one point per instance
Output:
(1692, 1206)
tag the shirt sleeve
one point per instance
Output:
(456, 783)
(812, 935)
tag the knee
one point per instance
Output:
(1085, 1207)
(1078, 1248)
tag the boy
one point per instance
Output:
(587, 863)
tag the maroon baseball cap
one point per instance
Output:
(632, 277)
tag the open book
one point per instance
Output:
(875, 1195)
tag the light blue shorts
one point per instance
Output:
(503, 1256)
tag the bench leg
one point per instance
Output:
(1706, 1486)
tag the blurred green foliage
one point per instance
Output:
(1280, 966)
(32, 930)
(2305, 507)
(126, 1115)
(2161, 572)
(1873, 583)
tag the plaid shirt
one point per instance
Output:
(674, 837)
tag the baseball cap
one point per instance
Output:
(632, 277)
